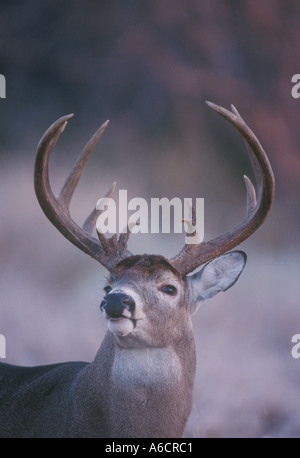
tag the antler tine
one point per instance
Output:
(124, 236)
(192, 256)
(253, 159)
(251, 195)
(56, 208)
(191, 223)
(90, 221)
(72, 180)
(110, 245)
(123, 239)
(46, 145)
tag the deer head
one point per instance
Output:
(113, 254)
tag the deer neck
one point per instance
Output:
(144, 392)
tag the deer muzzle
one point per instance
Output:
(117, 305)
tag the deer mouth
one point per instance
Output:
(122, 318)
(121, 325)
(117, 318)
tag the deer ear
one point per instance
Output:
(218, 275)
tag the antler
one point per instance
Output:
(192, 256)
(110, 251)
(106, 251)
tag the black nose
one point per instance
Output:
(115, 304)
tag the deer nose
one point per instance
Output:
(115, 304)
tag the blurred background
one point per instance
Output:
(148, 67)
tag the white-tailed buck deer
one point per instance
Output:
(140, 383)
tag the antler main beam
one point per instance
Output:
(106, 251)
(192, 256)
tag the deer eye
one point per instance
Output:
(169, 289)
(107, 289)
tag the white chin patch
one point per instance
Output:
(120, 326)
